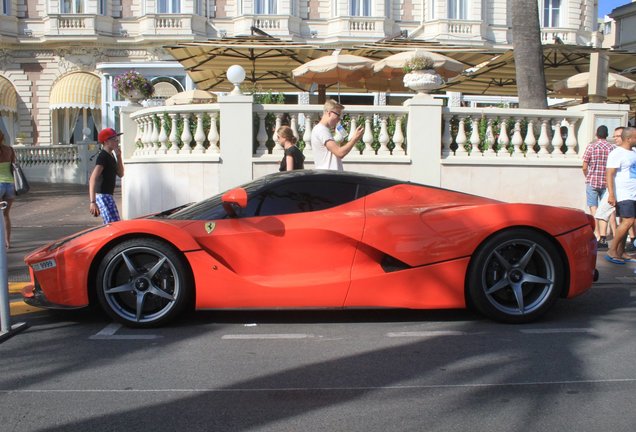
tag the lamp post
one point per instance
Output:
(236, 75)
(6, 329)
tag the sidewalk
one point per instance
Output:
(46, 213)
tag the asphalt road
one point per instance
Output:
(315, 371)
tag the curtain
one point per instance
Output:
(70, 120)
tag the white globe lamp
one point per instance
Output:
(236, 75)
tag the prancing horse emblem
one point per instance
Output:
(209, 227)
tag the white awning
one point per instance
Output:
(8, 96)
(76, 90)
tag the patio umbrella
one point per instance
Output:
(393, 65)
(267, 61)
(333, 69)
(191, 97)
(576, 85)
(497, 76)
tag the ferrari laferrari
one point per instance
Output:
(323, 239)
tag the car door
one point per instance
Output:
(293, 246)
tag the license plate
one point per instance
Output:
(44, 265)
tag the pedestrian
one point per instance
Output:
(294, 158)
(101, 186)
(621, 185)
(7, 188)
(328, 153)
(594, 164)
(605, 213)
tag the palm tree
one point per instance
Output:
(528, 54)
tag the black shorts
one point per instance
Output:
(626, 209)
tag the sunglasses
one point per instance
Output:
(337, 114)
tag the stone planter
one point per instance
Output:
(423, 81)
(134, 97)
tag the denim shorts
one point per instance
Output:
(626, 209)
(593, 195)
(7, 191)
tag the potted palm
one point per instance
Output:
(133, 86)
(420, 75)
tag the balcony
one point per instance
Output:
(464, 31)
(283, 26)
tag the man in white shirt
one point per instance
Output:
(621, 186)
(328, 153)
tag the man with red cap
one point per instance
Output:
(101, 185)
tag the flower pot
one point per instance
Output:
(134, 96)
(423, 81)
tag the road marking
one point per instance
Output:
(267, 336)
(18, 307)
(426, 333)
(16, 287)
(109, 331)
(557, 330)
(343, 388)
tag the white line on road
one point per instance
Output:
(434, 333)
(109, 331)
(343, 388)
(557, 330)
(268, 336)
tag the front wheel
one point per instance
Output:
(515, 276)
(143, 283)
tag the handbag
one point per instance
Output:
(19, 180)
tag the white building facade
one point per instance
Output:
(58, 57)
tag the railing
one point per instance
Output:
(195, 129)
(40, 155)
(512, 133)
(467, 133)
(60, 163)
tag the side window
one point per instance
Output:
(301, 197)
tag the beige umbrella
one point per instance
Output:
(332, 69)
(191, 97)
(393, 65)
(576, 85)
(267, 62)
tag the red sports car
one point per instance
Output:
(323, 239)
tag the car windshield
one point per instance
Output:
(212, 208)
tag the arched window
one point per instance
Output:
(551, 13)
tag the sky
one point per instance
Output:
(606, 6)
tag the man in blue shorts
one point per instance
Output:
(621, 186)
(101, 185)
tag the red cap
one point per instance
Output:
(106, 134)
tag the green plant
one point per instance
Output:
(420, 62)
(133, 80)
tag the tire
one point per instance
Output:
(143, 283)
(515, 276)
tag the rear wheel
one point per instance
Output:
(143, 283)
(515, 276)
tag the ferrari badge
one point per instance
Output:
(209, 227)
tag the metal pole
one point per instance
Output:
(6, 329)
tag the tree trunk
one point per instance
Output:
(528, 54)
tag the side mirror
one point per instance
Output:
(233, 200)
(236, 196)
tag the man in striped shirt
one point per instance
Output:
(594, 166)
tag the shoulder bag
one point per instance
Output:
(19, 180)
